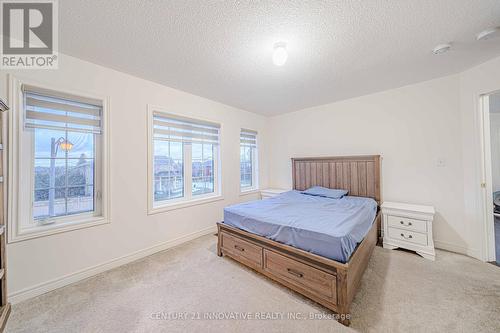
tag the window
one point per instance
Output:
(203, 168)
(185, 159)
(168, 170)
(63, 164)
(59, 173)
(248, 160)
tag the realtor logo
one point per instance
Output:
(29, 34)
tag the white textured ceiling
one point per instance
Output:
(222, 50)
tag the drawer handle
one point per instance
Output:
(409, 223)
(295, 273)
(239, 248)
(409, 236)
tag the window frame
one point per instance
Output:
(255, 168)
(188, 199)
(20, 152)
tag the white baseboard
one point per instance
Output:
(457, 249)
(42, 288)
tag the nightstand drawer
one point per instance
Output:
(408, 236)
(407, 223)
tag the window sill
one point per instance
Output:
(56, 228)
(249, 191)
(184, 204)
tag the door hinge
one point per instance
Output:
(483, 184)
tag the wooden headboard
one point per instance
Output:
(360, 175)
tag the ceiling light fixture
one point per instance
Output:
(280, 54)
(441, 48)
(487, 34)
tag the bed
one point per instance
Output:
(328, 227)
(318, 247)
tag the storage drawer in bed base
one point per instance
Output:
(305, 277)
(242, 251)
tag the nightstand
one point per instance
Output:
(271, 192)
(410, 227)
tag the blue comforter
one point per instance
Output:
(328, 227)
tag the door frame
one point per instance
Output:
(486, 178)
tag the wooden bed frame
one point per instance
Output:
(328, 282)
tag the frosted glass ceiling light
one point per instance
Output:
(280, 54)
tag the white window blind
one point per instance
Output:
(175, 128)
(51, 111)
(248, 138)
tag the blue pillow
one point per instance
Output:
(325, 192)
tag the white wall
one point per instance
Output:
(413, 128)
(38, 261)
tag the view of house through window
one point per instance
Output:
(248, 160)
(185, 158)
(203, 168)
(246, 166)
(168, 170)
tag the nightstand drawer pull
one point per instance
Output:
(409, 223)
(409, 236)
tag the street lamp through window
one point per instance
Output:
(66, 146)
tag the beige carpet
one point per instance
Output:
(400, 292)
